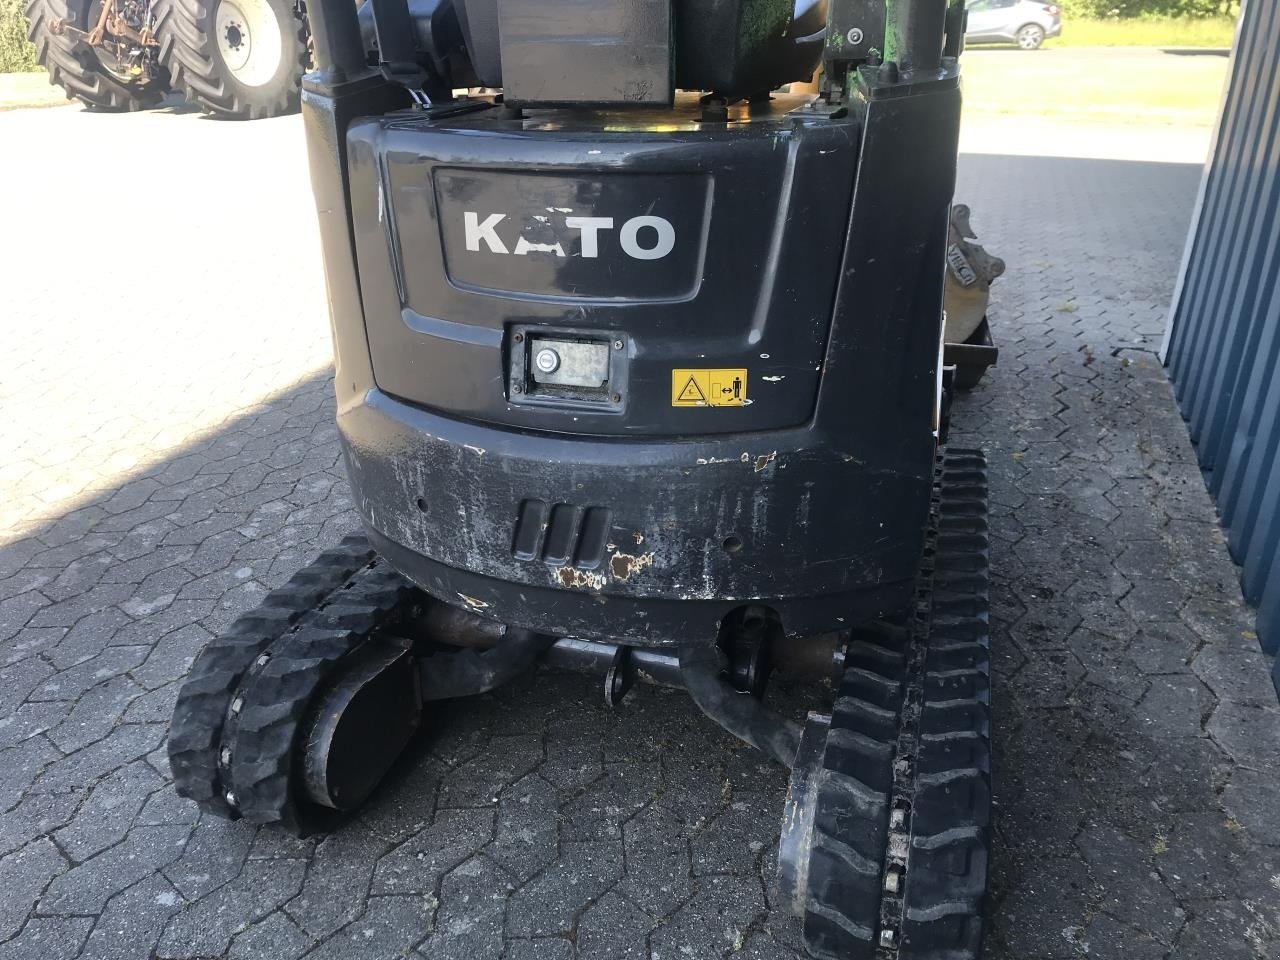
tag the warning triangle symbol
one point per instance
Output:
(691, 393)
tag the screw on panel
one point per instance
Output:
(618, 344)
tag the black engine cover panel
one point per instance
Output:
(818, 276)
(466, 225)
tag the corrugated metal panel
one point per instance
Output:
(1223, 348)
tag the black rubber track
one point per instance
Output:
(262, 739)
(196, 732)
(74, 67)
(906, 779)
(185, 28)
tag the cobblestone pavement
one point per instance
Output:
(170, 456)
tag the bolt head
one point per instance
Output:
(618, 344)
(854, 36)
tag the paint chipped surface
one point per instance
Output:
(774, 379)
(624, 565)
(765, 459)
(472, 603)
(582, 579)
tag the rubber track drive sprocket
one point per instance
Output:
(898, 866)
(205, 701)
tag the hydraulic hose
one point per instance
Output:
(740, 713)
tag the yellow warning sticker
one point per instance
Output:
(708, 388)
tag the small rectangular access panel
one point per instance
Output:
(709, 388)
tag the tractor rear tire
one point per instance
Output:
(75, 67)
(236, 59)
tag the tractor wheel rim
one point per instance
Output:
(248, 37)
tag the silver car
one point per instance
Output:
(1024, 22)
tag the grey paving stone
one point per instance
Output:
(614, 928)
(23, 875)
(171, 657)
(601, 809)
(550, 904)
(1106, 937)
(213, 855)
(1252, 799)
(389, 928)
(1044, 914)
(1250, 735)
(544, 948)
(275, 937)
(18, 680)
(337, 881)
(1225, 930)
(120, 746)
(1173, 707)
(659, 872)
(94, 714)
(525, 836)
(105, 817)
(1132, 892)
(719, 847)
(36, 816)
(74, 682)
(469, 912)
(417, 865)
(22, 765)
(133, 918)
(205, 928)
(503, 761)
(49, 938)
(86, 888)
(716, 921)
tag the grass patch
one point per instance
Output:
(1136, 89)
(1146, 32)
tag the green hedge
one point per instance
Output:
(16, 54)
(1125, 9)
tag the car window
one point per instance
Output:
(978, 5)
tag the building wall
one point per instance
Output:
(1223, 346)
